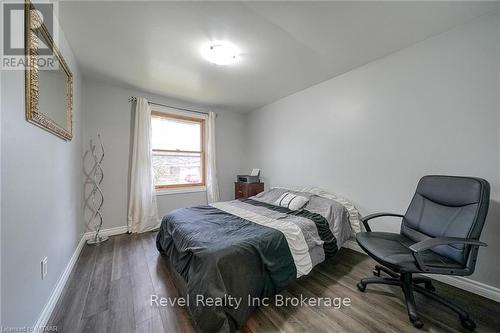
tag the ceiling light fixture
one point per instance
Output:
(220, 53)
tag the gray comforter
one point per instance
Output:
(238, 250)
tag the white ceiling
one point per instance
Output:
(286, 46)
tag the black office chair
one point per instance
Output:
(439, 235)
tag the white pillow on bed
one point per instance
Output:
(292, 201)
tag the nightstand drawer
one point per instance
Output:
(246, 190)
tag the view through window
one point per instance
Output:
(178, 150)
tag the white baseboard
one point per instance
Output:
(108, 232)
(49, 307)
(460, 282)
(54, 297)
(469, 285)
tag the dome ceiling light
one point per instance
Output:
(220, 53)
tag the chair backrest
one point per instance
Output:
(447, 206)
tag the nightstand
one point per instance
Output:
(246, 190)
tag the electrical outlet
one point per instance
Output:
(44, 267)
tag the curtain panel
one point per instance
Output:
(142, 208)
(212, 183)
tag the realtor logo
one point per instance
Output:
(13, 33)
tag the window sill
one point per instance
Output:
(164, 191)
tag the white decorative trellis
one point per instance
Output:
(94, 198)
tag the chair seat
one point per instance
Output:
(392, 250)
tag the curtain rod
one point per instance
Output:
(133, 99)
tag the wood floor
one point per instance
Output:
(110, 288)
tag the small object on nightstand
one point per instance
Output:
(251, 178)
(246, 190)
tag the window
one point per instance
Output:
(178, 144)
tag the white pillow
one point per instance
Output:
(291, 201)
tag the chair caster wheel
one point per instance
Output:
(417, 323)
(468, 324)
(376, 272)
(361, 286)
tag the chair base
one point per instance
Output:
(410, 284)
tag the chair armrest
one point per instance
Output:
(432, 242)
(367, 218)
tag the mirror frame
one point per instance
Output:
(32, 84)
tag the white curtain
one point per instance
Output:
(142, 209)
(212, 184)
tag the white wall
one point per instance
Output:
(41, 200)
(370, 134)
(108, 112)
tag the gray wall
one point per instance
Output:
(108, 112)
(41, 200)
(371, 133)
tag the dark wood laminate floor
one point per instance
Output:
(110, 288)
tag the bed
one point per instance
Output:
(249, 249)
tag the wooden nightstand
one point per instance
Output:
(246, 190)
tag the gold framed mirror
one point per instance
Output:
(48, 79)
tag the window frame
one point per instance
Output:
(202, 152)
